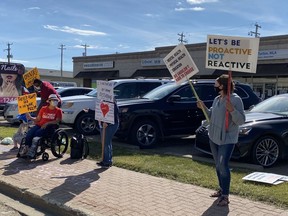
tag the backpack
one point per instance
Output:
(79, 147)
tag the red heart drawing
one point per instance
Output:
(104, 108)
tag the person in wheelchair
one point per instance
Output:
(46, 123)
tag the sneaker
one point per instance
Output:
(24, 151)
(14, 148)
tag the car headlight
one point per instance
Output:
(245, 130)
(67, 105)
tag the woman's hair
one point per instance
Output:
(223, 80)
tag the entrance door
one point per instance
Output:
(269, 89)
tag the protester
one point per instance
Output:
(223, 139)
(44, 89)
(45, 123)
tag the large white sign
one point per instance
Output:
(268, 178)
(232, 53)
(105, 90)
(180, 64)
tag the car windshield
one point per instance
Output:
(160, 91)
(92, 93)
(275, 104)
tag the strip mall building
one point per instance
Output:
(270, 78)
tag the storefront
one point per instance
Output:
(270, 78)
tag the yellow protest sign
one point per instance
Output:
(30, 76)
(27, 103)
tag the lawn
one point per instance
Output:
(184, 170)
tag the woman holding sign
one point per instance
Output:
(107, 132)
(223, 138)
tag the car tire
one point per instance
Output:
(266, 151)
(145, 134)
(86, 124)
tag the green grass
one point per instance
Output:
(184, 170)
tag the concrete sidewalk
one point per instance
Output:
(82, 188)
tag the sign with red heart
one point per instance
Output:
(104, 108)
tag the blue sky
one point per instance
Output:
(37, 28)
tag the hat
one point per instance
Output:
(53, 97)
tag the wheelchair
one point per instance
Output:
(57, 142)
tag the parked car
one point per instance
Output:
(11, 108)
(170, 109)
(263, 139)
(84, 122)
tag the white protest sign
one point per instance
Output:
(232, 53)
(180, 64)
(268, 178)
(104, 111)
(105, 90)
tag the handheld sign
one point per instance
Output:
(104, 110)
(232, 53)
(105, 90)
(182, 67)
(30, 76)
(180, 64)
(27, 103)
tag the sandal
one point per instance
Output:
(224, 201)
(218, 193)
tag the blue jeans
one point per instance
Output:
(110, 130)
(222, 155)
(37, 131)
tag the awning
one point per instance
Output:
(98, 74)
(151, 73)
(262, 70)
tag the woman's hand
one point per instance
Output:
(229, 106)
(200, 104)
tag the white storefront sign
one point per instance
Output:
(91, 65)
(273, 54)
(152, 62)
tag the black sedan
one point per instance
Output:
(263, 139)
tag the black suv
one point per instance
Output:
(171, 110)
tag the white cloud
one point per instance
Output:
(190, 9)
(71, 30)
(151, 15)
(33, 8)
(193, 2)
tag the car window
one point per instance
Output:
(186, 94)
(126, 90)
(146, 87)
(205, 92)
(240, 92)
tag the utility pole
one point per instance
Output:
(9, 54)
(61, 68)
(251, 33)
(85, 49)
(181, 39)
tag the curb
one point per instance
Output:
(49, 207)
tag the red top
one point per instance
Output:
(46, 90)
(48, 115)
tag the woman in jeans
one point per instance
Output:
(223, 138)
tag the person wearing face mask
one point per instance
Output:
(222, 139)
(44, 89)
(46, 121)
